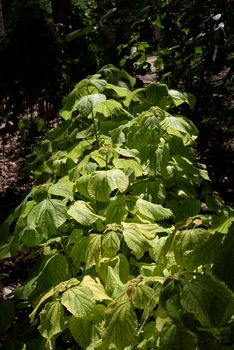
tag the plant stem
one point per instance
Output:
(67, 257)
(94, 123)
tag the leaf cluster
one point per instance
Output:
(125, 256)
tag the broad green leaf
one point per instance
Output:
(120, 91)
(82, 185)
(209, 300)
(172, 124)
(178, 97)
(107, 108)
(83, 213)
(79, 301)
(121, 325)
(51, 320)
(186, 242)
(99, 84)
(93, 253)
(82, 330)
(177, 337)
(56, 270)
(116, 211)
(32, 238)
(132, 164)
(222, 225)
(129, 153)
(133, 96)
(143, 296)
(62, 188)
(120, 264)
(224, 259)
(78, 252)
(95, 286)
(113, 284)
(40, 301)
(103, 182)
(153, 191)
(47, 216)
(87, 103)
(135, 240)
(110, 243)
(77, 151)
(156, 93)
(152, 212)
(99, 187)
(205, 253)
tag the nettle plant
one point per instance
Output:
(129, 244)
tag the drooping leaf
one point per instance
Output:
(187, 241)
(209, 300)
(113, 284)
(178, 97)
(155, 93)
(95, 286)
(56, 270)
(63, 188)
(143, 296)
(135, 240)
(172, 124)
(120, 91)
(121, 325)
(79, 301)
(103, 182)
(116, 210)
(47, 216)
(82, 331)
(132, 164)
(93, 253)
(110, 243)
(83, 213)
(152, 212)
(78, 252)
(107, 108)
(176, 337)
(51, 319)
(222, 225)
(87, 103)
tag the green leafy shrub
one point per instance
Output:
(126, 258)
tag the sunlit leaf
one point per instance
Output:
(83, 213)
(47, 216)
(78, 301)
(121, 324)
(51, 319)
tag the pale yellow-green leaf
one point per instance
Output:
(51, 320)
(79, 301)
(152, 212)
(132, 164)
(110, 243)
(96, 287)
(121, 325)
(135, 239)
(93, 253)
(83, 213)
